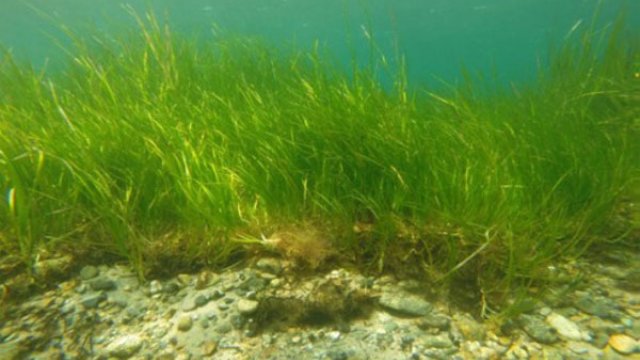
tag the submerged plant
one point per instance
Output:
(152, 147)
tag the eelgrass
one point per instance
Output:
(162, 150)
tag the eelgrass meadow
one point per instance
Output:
(173, 154)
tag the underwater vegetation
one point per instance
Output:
(174, 154)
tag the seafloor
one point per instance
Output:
(267, 310)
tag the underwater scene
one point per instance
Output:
(338, 179)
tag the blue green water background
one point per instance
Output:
(507, 38)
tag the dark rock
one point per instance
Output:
(538, 329)
(436, 321)
(102, 284)
(92, 301)
(601, 307)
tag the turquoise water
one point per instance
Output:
(505, 37)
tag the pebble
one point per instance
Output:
(537, 329)
(93, 300)
(601, 307)
(270, 265)
(436, 321)
(125, 346)
(209, 347)
(624, 344)
(102, 284)
(200, 300)
(224, 327)
(437, 341)
(405, 303)
(88, 272)
(334, 335)
(566, 328)
(155, 287)
(247, 307)
(184, 323)
(184, 279)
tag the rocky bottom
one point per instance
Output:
(263, 311)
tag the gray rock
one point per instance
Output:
(88, 272)
(253, 283)
(200, 300)
(171, 288)
(436, 321)
(600, 307)
(270, 265)
(247, 307)
(441, 341)
(125, 346)
(224, 327)
(538, 329)
(405, 303)
(102, 284)
(184, 323)
(217, 294)
(93, 300)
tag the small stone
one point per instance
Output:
(205, 279)
(125, 346)
(184, 279)
(624, 344)
(247, 307)
(600, 307)
(405, 303)
(88, 272)
(545, 311)
(439, 322)
(224, 327)
(334, 335)
(183, 356)
(469, 327)
(166, 354)
(92, 301)
(438, 341)
(200, 300)
(204, 323)
(296, 339)
(171, 288)
(537, 329)
(184, 323)
(566, 328)
(270, 265)
(209, 347)
(406, 341)
(600, 340)
(102, 284)
(155, 287)
(217, 294)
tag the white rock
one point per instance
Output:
(566, 328)
(125, 346)
(247, 307)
